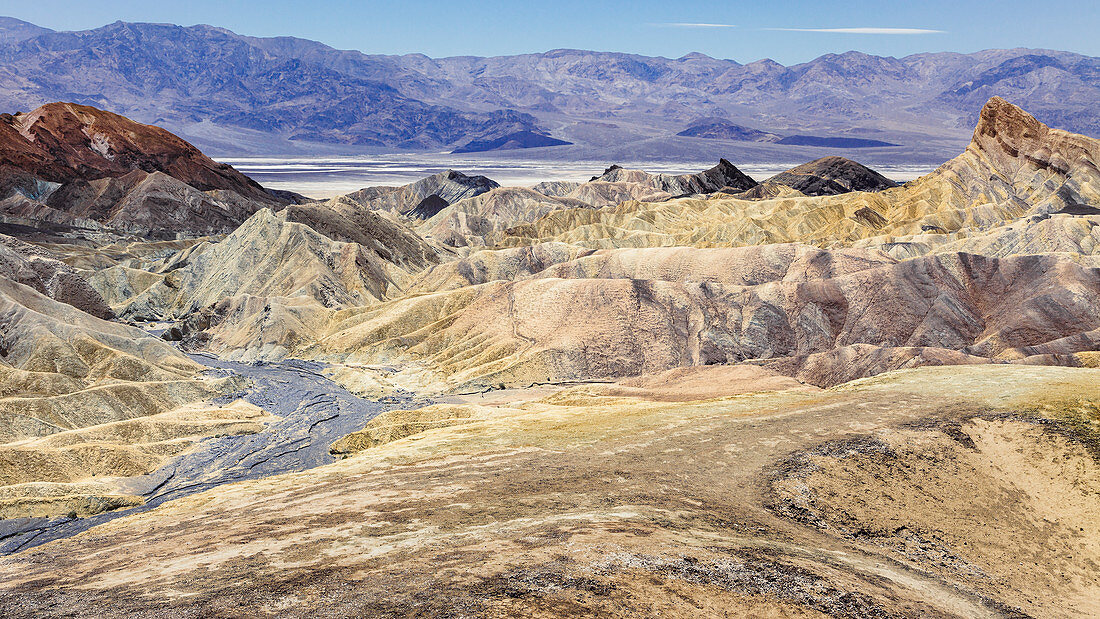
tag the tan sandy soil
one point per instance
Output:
(81, 471)
(583, 504)
(704, 382)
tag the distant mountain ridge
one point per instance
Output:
(831, 142)
(14, 30)
(511, 141)
(216, 87)
(721, 129)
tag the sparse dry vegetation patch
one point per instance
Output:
(1004, 503)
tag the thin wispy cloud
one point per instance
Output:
(862, 30)
(695, 25)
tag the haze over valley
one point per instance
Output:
(326, 177)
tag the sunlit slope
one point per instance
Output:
(547, 329)
(63, 369)
(1015, 171)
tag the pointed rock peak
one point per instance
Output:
(728, 169)
(999, 118)
(1017, 153)
(606, 172)
(723, 175)
(724, 169)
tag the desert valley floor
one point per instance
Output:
(821, 394)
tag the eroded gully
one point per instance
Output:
(312, 411)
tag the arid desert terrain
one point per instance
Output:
(823, 393)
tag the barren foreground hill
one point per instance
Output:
(643, 395)
(937, 491)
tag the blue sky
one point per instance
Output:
(743, 31)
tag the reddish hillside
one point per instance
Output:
(61, 142)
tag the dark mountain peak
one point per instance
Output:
(1003, 120)
(723, 175)
(467, 180)
(476, 182)
(511, 141)
(721, 129)
(424, 198)
(428, 207)
(830, 176)
(606, 172)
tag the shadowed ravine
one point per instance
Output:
(312, 412)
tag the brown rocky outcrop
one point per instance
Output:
(62, 142)
(36, 267)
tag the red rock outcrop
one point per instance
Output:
(62, 142)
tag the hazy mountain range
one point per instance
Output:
(230, 93)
